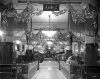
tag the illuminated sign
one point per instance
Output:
(51, 7)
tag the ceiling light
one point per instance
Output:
(76, 50)
(39, 46)
(49, 48)
(49, 33)
(49, 42)
(98, 49)
(1, 33)
(45, 15)
(41, 51)
(18, 42)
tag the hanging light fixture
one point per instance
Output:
(18, 42)
(49, 32)
(49, 43)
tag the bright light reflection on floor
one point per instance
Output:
(49, 61)
(49, 68)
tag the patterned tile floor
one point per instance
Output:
(49, 70)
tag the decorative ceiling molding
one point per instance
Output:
(51, 1)
(5, 2)
(85, 3)
(28, 12)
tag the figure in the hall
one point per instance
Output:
(72, 60)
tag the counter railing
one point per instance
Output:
(80, 71)
(8, 71)
(18, 71)
(71, 71)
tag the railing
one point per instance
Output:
(72, 71)
(80, 71)
(18, 71)
(7, 71)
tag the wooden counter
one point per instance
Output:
(6, 71)
(32, 69)
(67, 69)
(29, 69)
(19, 70)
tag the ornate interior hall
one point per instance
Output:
(49, 39)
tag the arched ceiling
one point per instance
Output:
(43, 20)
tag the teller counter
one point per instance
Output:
(7, 71)
(70, 71)
(27, 70)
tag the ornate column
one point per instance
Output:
(91, 51)
(25, 48)
(29, 52)
(70, 36)
(20, 48)
(91, 42)
(7, 51)
(79, 47)
(69, 47)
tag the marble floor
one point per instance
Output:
(49, 70)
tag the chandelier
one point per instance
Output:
(49, 32)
